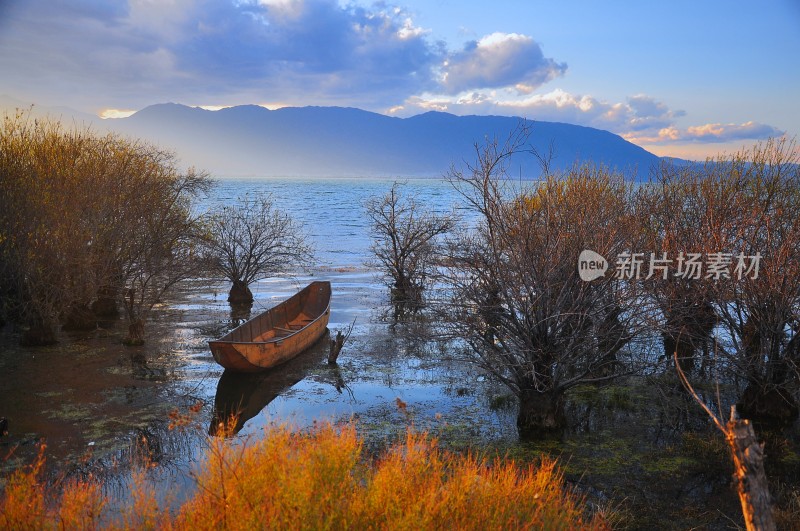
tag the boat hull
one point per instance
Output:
(277, 335)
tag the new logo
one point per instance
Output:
(591, 265)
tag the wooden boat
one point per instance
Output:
(278, 334)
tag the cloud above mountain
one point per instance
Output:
(500, 60)
(209, 51)
(323, 49)
(641, 119)
(110, 56)
(707, 133)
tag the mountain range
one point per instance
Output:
(337, 141)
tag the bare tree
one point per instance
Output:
(740, 209)
(160, 249)
(253, 240)
(760, 307)
(89, 217)
(512, 287)
(405, 238)
(688, 212)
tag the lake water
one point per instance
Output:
(376, 366)
(332, 209)
(102, 407)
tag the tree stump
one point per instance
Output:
(751, 480)
(135, 333)
(748, 462)
(336, 347)
(338, 342)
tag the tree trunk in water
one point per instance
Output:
(406, 294)
(240, 293)
(768, 404)
(688, 332)
(540, 414)
(748, 463)
(39, 334)
(106, 304)
(240, 313)
(685, 351)
(135, 333)
(80, 317)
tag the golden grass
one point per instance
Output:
(23, 503)
(318, 480)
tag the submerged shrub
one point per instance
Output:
(89, 221)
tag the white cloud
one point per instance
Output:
(116, 113)
(122, 53)
(640, 119)
(281, 11)
(499, 60)
(707, 133)
(409, 30)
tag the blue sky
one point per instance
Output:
(685, 78)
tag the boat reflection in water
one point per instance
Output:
(242, 396)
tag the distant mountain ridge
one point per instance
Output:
(342, 141)
(339, 141)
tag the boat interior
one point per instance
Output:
(285, 319)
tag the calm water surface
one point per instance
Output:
(103, 408)
(100, 406)
(332, 209)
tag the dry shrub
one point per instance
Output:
(319, 480)
(418, 486)
(281, 480)
(87, 221)
(82, 505)
(23, 504)
(143, 510)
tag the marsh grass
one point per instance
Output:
(318, 479)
